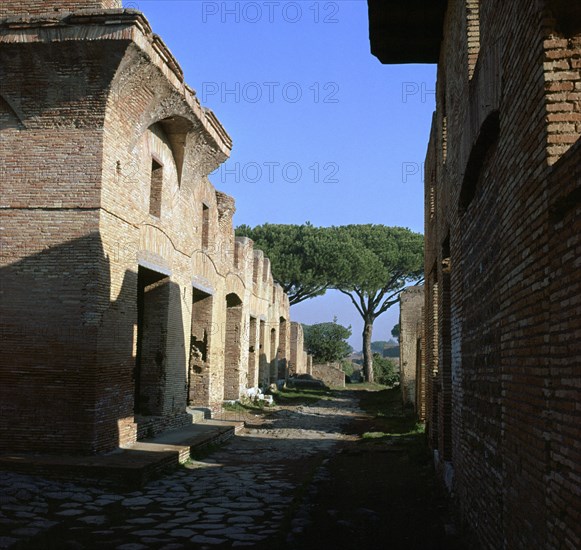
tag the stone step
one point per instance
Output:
(198, 415)
(129, 467)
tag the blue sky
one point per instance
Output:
(322, 131)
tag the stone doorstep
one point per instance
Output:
(129, 467)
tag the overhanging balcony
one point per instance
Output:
(408, 31)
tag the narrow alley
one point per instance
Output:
(340, 469)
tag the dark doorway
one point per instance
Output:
(252, 355)
(153, 294)
(199, 360)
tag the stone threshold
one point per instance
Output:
(130, 467)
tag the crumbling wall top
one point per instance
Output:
(36, 7)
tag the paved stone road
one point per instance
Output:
(247, 493)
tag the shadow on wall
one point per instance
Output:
(71, 372)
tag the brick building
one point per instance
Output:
(412, 370)
(503, 241)
(124, 294)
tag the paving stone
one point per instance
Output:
(239, 519)
(215, 510)
(185, 533)
(214, 500)
(166, 526)
(228, 531)
(250, 513)
(18, 508)
(213, 517)
(241, 506)
(136, 501)
(91, 508)
(147, 532)
(170, 501)
(81, 497)
(246, 537)
(43, 524)
(25, 515)
(58, 495)
(141, 521)
(207, 526)
(93, 520)
(186, 519)
(103, 502)
(26, 532)
(70, 513)
(195, 505)
(201, 539)
(7, 523)
(74, 545)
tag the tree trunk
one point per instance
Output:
(367, 355)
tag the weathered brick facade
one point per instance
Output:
(411, 363)
(299, 362)
(125, 294)
(330, 373)
(503, 226)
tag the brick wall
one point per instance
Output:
(93, 358)
(563, 433)
(502, 314)
(232, 366)
(263, 374)
(35, 7)
(253, 353)
(283, 338)
(330, 373)
(421, 371)
(200, 341)
(410, 313)
(507, 119)
(297, 363)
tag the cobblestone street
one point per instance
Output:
(240, 495)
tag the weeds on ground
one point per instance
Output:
(392, 421)
(288, 396)
(418, 429)
(368, 386)
(245, 406)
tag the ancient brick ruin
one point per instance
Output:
(125, 294)
(503, 239)
(412, 370)
(332, 374)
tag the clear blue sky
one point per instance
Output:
(322, 131)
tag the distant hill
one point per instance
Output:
(383, 347)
